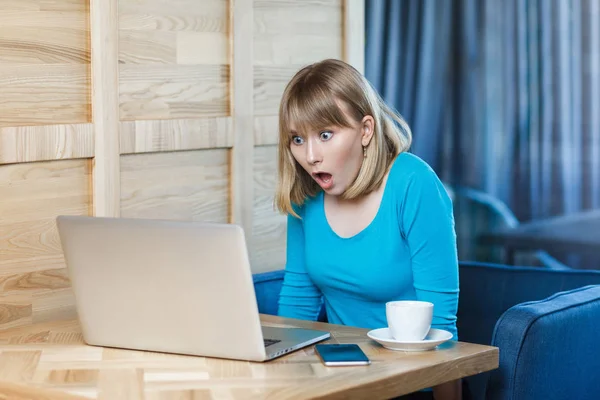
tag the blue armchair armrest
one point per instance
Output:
(267, 286)
(549, 348)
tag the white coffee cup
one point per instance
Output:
(409, 320)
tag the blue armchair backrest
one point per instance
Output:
(549, 349)
(488, 290)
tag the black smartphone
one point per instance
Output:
(341, 354)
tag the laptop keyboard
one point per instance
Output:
(269, 342)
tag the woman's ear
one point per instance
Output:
(368, 128)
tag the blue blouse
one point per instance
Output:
(408, 252)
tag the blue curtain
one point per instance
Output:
(502, 96)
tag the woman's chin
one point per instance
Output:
(335, 190)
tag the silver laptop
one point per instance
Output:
(170, 286)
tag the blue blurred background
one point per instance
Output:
(503, 98)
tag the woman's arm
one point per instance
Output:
(428, 225)
(299, 297)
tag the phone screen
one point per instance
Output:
(341, 354)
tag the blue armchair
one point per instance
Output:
(549, 348)
(487, 294)
(492, 300)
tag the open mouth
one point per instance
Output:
(324, 179)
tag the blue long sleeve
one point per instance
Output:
(427, 224)
(299, 297)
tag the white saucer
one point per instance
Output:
(434, 338)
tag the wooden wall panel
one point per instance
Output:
(44, 62)
(146, 109)
(287, 36)
(188, 186)
(33, 281)
(173, 58)
(46, 142)
(176, 134)
(269, 227)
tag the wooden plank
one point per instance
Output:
(176, 134)
(105, 110)
(16, 391)
(33, 194)
(269, 83)
(354, 33)
(46, 142)
(269, 226)
(147, 47)
(186, 186)
(64, 44)
(43, 94)
(242, 110)
(208, 10)
(33, 281)
(165, 91)
(296, 32)
(266, 130)
(65, 5)
(202, 48)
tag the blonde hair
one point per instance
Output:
(311, 100)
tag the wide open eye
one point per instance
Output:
(297, 140)
(326, 135)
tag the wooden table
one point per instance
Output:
(49, 360)
(577, 233)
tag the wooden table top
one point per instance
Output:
(49, 360)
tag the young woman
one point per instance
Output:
(368, 222)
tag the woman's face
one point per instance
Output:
(332, 156)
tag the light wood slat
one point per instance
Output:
(33, 282)
(297, 32)
(242, 170)
(269, 83)
(157, 91)
(202, 48)
(16, 391)
(354, 33)
(269, 229)
(48, 94)
(33, 194)
(105, 92)
(19, 5)
(65, 5)
(178, 134)
(266, 130)
(177, 8)
(147, 47)
(171, 47)
(15, 310)
(45, 45)
(53, 305)
(178, 15)
(52, 355)
(66, 21)
(185, 22)
(46, 142)
(188, 186)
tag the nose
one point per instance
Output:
(313, 152)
